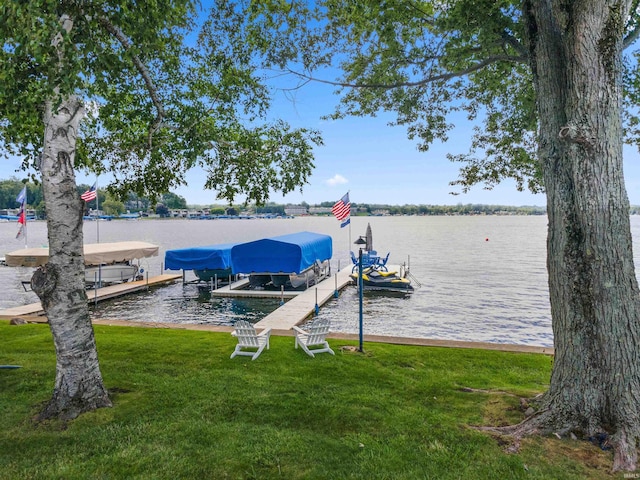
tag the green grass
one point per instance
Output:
(183, 409)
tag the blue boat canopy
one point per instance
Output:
(291, 253)
(212, 257)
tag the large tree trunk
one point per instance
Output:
(576, 56)
(60, 283)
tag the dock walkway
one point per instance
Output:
(96, 295)
(297, 309)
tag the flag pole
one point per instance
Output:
(97, 214)
(349, 247)
(22, 215)
(24, 208)
(342, 211)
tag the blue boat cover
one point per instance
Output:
(213, 257)
(291, 253)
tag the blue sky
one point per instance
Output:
(377, 163)
(374, 162)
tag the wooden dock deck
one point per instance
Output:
(240, 289)
(297, 309)
(96, 295)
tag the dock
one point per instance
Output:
(297, 309)
(241, 288)
(293, 312)
(96, 295)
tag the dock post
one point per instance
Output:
(317, 308)
(281, 295)
(335, 292)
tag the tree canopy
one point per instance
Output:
(162, 93)
(143, 91)
(547, 84)
(425, 61)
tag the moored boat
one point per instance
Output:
(293, 261)
(114, 273)
(208, 263)
(104, 262)
(312, 275)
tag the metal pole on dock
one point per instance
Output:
(317, 308)
(281, 294)
(360, 288)
(335, 292)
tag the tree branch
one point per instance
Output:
(515, 43)
(431, 79)
(633, 18)
(142, 69)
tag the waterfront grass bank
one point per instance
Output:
(183, 409)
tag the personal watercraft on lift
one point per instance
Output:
(374, 279)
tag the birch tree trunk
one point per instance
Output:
(576, 51)
(60, 283)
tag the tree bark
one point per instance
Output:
(60, 283)
(576, 52)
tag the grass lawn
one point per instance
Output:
(183, 409)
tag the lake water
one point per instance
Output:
(483, 278)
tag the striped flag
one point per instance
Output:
(90, 194)
(22, 214)
(342, 210)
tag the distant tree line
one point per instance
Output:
(111, 205)
(107, 203)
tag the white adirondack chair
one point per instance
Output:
(250, 343)
(315, 336)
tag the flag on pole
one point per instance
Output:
(22, 219)
(90, 194)
(342, 210)
(22, 214)
(22, 196)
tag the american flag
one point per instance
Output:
(22, 214)
(90, 194)
(342, 210)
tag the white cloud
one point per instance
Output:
(337, 179)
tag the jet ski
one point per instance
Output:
(374, 279)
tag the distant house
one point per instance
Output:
(319, 210)
(295, 210)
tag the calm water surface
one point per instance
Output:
(483, 278)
